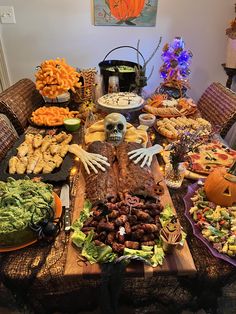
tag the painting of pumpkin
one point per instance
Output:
(124, 11)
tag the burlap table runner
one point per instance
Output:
(33, 267)
(36, 276)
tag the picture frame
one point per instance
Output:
(138, 13)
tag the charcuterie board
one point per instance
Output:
(179, 262)
(160, 106)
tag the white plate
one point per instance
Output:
(121, 101)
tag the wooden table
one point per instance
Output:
(179, 263)
(61, 284)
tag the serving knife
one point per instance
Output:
(65, 199)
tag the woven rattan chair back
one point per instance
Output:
(218, 105)
(18, 101)
(8, 136)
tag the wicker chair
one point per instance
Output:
(8, 136)
(218, 105)
(18, 101)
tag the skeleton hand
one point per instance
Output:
(145, 153)
(89, 159)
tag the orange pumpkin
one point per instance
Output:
(124, 10)
(220, 187)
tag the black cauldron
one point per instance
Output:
(126, 79)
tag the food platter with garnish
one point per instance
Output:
(161, 106)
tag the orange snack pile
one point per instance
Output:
(56, 77)
(52, 116)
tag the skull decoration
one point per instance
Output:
(115, 128)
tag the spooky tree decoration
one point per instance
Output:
(175, 69)
(140, 72)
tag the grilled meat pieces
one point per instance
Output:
(120, 230)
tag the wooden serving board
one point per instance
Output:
(180, 262)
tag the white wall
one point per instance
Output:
(63, 28)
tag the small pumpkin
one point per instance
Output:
(220, 187)
(124, 10)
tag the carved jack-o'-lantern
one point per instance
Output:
(124, 10)
(220, 187)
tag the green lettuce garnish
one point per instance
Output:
(158, 256)
(78, 238)
(84, 215)
(140, 253)
(166, 215)
(152, 255)
(94, 253)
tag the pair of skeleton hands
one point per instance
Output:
(94, 162)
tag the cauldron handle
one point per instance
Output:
(124, 47)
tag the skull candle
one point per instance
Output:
(115, 128)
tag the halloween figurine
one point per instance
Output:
(114, 129)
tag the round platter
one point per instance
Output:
(58, 213)
(31, 122)
(196, 231)
(122, 102)
(186, 113)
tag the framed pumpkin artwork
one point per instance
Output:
(125, 12)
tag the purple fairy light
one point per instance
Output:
(176, 61)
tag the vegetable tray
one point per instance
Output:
(196, 231)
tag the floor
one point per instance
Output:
(226, 305)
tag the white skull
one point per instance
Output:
(115, 127)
